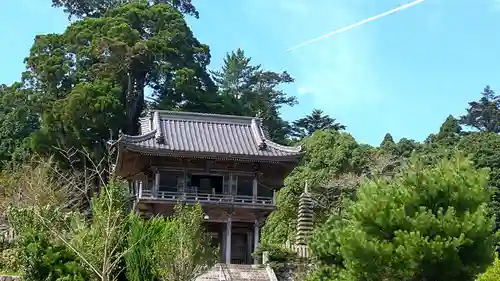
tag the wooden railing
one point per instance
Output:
(206, 197)
(7, 234)
(301, 250)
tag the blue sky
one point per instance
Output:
(402, 74)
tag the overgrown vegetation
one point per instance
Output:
(377, 215)
(492, 274)
(431, 223)
(55, 240)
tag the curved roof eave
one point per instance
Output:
(139, 138)
(168, 152)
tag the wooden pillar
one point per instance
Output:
(249, 246)
(254, 189)
(223, 246)
(256, 231)
(228, 240)
(139, 193)
(156, 184)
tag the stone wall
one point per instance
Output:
(9, 278)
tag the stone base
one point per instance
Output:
(9, 278)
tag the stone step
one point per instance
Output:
(235, 272)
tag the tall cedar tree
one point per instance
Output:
(429, 224)
(249, 90)
(484, 115)
(388, 145)
(97, 8)
(18, 121)
(88, 83)
(313, 122)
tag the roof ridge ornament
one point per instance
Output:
(257, 133)
(160, 138)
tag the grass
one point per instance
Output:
(8, 273)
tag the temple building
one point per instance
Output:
(227, 163)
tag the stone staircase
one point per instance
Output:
(238, 272)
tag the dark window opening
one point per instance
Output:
(245, 185)
(207, 183)
(170, 180)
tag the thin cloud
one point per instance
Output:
(302, 91)
(336, 77)
(359, 23)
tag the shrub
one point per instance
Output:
(9, 260)
(430, 223)
(492, 273)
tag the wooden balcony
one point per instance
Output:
(206, 198)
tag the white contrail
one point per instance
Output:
(402, 7)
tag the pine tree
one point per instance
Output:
(432, 223)
(250, 90)
(484, 115)
(313, 122)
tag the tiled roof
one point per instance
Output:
(171, 131)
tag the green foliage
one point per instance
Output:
(175, 248)
(97, 8)
(141, 237)
(280, 259)
(327, 154)
(429, 224)
(249, 90)
(9, 259)
(404, 148)
(492, 273)
(388, 145)
(17, 122)
(87, 84)
(43, 260)
(484, 150)
(484, 115)
(324, 273)
(449, 132)
(182, 251)
(101, 244)
(313, 122)
(278, 255)
(42, 255)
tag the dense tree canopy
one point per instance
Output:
(313, 122)
(18, 121)
(88, 84)
(484, 115)
(249, 90)
(328, 155)
(97, 8)
(429, 224)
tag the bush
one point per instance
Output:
(182, 250)
(429, 224)
(9, 260)
(277, 254)
(141, 237)
(281, 259)
(492, 273)
(42, 256)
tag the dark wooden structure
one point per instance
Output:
(227, 163)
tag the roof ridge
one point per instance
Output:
(247, 135)
(185, 114)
